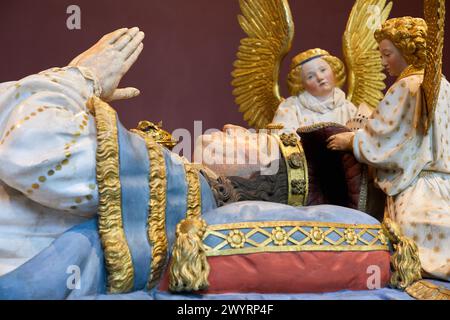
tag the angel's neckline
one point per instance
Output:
(312, 103)
(410, 71)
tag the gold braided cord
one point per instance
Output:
(116, 251)
(434, 13)
(319, 125)
(194, 200)
(156, 223)
(305, 248)
(270, 30)
(365, 76)
(264, 224)
(278, 236)
(425, 290)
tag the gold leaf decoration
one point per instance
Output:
(365, 76)
(434, 13)
(270, 30)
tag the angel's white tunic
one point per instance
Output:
(47, 161)
(413, 169)
(306, 109)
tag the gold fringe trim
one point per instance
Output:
(156, 224)
(405, 260)
(425, 290)
(194, 199)
(115, 246)
(189, 268)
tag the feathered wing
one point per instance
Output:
(270, 30)
(364, 68)
(434, 13)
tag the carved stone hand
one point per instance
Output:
(110, 59)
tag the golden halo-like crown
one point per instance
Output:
(308, 55)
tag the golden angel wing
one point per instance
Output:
(270, 30)
(365, 71)
(434, 13)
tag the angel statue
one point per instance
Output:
(406, 138)
(315, 76)
(314, 79)
(316, 101)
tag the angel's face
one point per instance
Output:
(392, 58)
(318, 78)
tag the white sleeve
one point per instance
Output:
(286, 114)
(390, 142)
(48, 139)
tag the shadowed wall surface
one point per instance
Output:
(184, 70)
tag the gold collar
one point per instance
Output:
(410, 71)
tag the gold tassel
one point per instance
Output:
(405, 260)
(189, 268)
(425, 290)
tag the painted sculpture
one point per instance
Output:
(406, 139)
(136, 220)
(315, 76)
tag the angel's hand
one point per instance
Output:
(110, 59)
(365, 110)
(341, 141)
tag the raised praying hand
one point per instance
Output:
(110, 59)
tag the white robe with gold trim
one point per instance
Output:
(47, 161)
(413, 169)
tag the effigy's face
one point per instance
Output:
(318, 78)
(236, 151)
(392, 58)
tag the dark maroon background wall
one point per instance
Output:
(184, 71)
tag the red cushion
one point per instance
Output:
(295, 272)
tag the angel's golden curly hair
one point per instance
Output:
(295, 81)
(409, 35)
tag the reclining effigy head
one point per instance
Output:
(303, 169)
